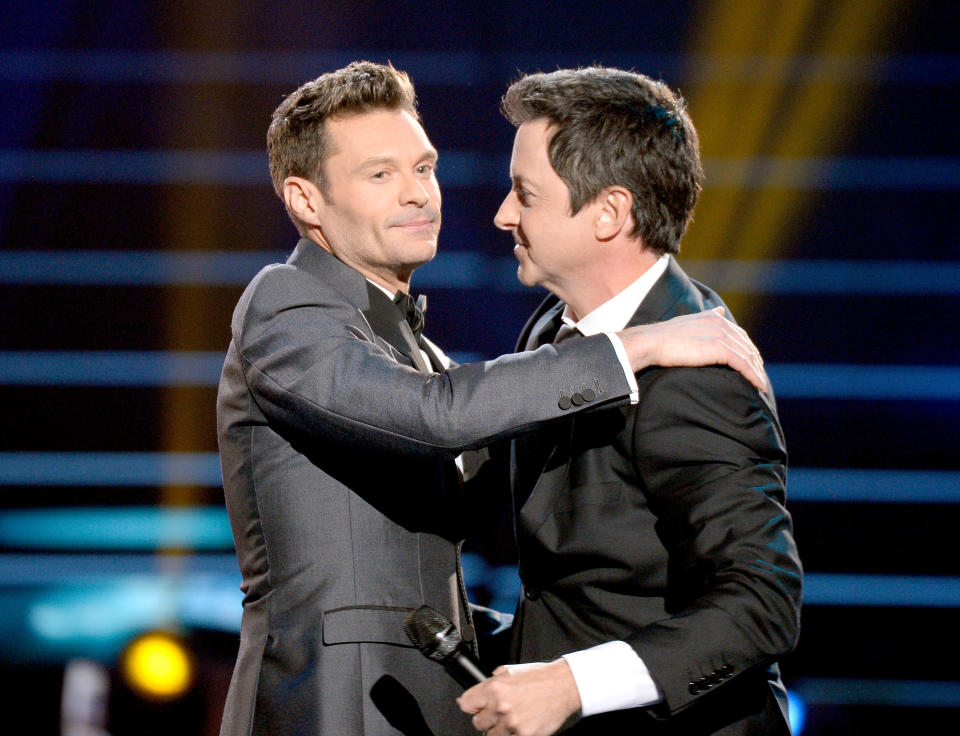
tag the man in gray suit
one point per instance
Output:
(339, 424)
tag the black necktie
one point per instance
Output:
(412, 310)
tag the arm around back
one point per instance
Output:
(311, 365)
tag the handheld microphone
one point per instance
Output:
(438, 639)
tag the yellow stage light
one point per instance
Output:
(158, 666)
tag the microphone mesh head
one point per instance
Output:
(432, 633)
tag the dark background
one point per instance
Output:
(135, 204)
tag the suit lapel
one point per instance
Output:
(385, 319)
(532, 452)
(543, 324)
(381, 314)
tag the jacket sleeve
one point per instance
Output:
(309, 363)
(709, 454)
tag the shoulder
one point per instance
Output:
(709, 384)
(281, 289)
(711, 396)
(696, 421)
(684, 295)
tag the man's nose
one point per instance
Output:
(414, 192)
(506, 217)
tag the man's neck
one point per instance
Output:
(616, 312)
(604, 281)
(386, 280)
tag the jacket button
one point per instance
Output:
(564, 402)
(694, 687)
(530, 594)
(588, 394)
(726, 671)
(576, 399)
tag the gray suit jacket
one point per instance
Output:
(663, 525)
(337, 461)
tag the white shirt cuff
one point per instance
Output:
(625, 364)
(612, 676)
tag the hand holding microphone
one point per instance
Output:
(535, 699)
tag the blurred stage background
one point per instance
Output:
(135, 204)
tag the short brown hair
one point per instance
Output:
(297, 143)
(615, 127)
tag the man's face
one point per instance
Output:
(552, 246)
(381, 214)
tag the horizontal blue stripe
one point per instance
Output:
(838, 173)
(56, 607)
(899, 693)
(827, 589)
(120, 528)
(821, 277)
(451, 269)
(839, 589)
(219, 168)
(449, 68)
(110, 368)
(873, 486)
(463, 270)
(95, 569)
(881, 382)
(468, 169)
(134, 268)
(110, 469)
(158, 368)
(203, 469)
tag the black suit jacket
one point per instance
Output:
(337, 460)
(663, 525)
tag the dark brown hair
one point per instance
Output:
(297, 143)
(615, 127)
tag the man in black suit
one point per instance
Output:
(339, 424)
(660, 577)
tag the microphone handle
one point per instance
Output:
(464, 668)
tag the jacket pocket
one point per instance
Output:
(375, 624)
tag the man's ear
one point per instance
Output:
(614, 214)
(303, 199)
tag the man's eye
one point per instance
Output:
(426, 169)
(522, 195)
(379, 175)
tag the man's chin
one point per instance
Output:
(416, 258)
(525, 277)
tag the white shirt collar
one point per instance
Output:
(615, 313)
(384, 289)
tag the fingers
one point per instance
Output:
(745, 357)
(741, 337)
(473, 700)
(475, 704)
(741, 354)
(705, 338)
(749, 366)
